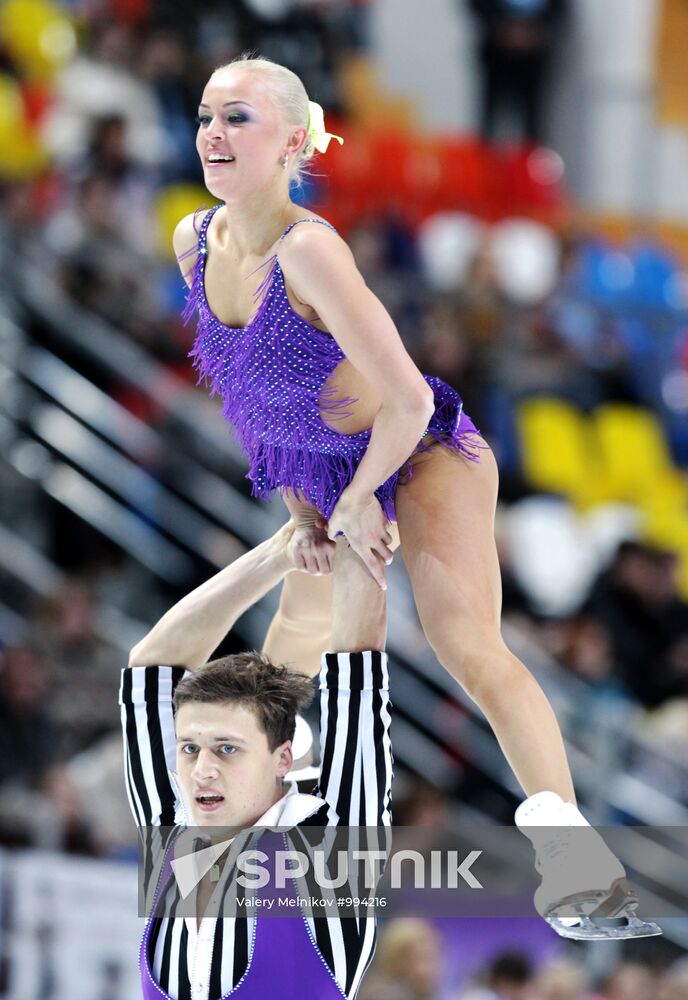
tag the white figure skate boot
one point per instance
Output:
(583, 882)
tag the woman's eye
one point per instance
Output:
(233, 118)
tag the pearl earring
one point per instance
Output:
(285, 161)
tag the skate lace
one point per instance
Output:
(554, 848)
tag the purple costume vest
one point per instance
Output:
(284, 964)
(271, 377)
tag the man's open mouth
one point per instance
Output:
(208, 802)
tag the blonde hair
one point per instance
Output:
(397, 941)
(290, 97)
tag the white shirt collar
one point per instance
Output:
(290, 810)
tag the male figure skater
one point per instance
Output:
(211, 743)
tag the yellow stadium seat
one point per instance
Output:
(172, 204)
(559, 450)
(39, 35)
(635, 453)
(619, 454)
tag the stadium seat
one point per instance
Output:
(655, 271)
(532, 179)
(553, 557)
(39, 36)
(559, 452)
(172, 204)
(635, 453)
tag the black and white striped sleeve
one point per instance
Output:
(355, 747)
(149, 742)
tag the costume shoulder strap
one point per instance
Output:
(203, 231)
(291, 226)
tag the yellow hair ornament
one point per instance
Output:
(316, 128)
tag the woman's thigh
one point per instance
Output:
(446, 516)
(301, 628)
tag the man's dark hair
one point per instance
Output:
(274, 693)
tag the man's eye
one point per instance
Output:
(189, 748)
(227, 749)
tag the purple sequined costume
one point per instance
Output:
(271, 377)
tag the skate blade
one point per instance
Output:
(584, 929)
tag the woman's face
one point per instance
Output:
(242, 135)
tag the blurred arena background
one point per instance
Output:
(514, 185)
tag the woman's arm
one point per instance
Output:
(321, 269)
(189, 632)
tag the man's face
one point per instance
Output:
(228, 775)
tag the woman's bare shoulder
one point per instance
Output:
(185, 237)
(185, 242)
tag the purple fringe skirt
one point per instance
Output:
(322, 475)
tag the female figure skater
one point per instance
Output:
(332, 412)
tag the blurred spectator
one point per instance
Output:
(100, 251)
(96, 777)
(447, 349)
(102, 80)
(28, 735)
(637, 600)
(673, 984)
(176, 82)
(65, 803)
(631, 981)
(407, 964)
(663, 762)
(84, 669)
(584, 645)
(508, 977)
(561, 979)
(420, 804)
(515, 49)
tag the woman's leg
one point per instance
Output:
(446, 523)
(301, 628)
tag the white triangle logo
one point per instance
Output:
(190, 869)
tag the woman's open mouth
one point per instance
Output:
(219, 159)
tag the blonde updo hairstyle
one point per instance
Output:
(290, 97)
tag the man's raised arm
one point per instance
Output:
(356, 752)
(189, 632)
(183, 639)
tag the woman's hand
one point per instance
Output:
(310, 549)
(366, 529)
